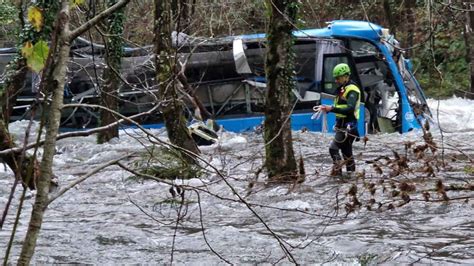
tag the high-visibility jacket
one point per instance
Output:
(341, 100)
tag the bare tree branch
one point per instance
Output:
(86, 176)
(93, 21)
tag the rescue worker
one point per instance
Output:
(346, 107)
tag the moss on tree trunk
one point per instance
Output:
(55, 79)
(109, 92)
(56, 82)
(470, 42)
(388, 13)
(279, 67)
(410, 16)
(166, 62)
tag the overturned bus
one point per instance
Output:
(393, 101)
(227, 76)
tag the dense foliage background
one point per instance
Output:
(439, 50)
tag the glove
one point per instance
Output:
(325, 108)
(322, 108)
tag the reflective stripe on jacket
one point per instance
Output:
(341, 100)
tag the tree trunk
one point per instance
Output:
(410, 16)
(20, 166)
(16, 77)
(388, 13)
(56, 83)
(279, 67)
(15, 81)
(469, 37)
(172, 107)
(55, 79)
(113, 58)
(14, 84)
(196, 102)
(186, 12)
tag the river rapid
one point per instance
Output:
(236, 217)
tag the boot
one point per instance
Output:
(336, 169)
(350, 165)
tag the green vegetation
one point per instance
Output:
(469, 169)
(8, 13)
(366, 259)
(8, 24)
(440, 64)
(166, 163)
(439, 58)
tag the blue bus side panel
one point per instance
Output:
(298, 122)
(242, 124)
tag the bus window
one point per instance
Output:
(361, 48)
(330, 61)
(305, 57)
(381, 96)
(415, 95)
(305, 67)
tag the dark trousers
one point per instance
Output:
(343, 141)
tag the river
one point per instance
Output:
(113, 218)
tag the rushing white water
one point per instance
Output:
(455, 114)
(113, 219)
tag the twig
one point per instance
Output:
(15, 225)
(84, 133)
(175, 231)
(89, 24)
(91, 173)
(234, 191)
(203, 230)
